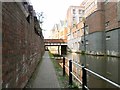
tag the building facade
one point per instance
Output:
(74, 22)
(100, 29)
(74, 15)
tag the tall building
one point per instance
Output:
(100, 28)
(74, 15)
(60, 30)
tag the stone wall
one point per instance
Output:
(22, 48)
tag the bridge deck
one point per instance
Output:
(55, 40)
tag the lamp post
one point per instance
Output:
(84, 21)
(84, 34)
(84, 78)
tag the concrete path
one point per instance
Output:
(46, 76)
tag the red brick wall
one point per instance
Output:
(111, 15)
(95, 21)
(21, 47)
(105, 12)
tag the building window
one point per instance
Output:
(74, 25)
(90, 7)
(87, 42)
(73, 18)
(80, 18)
(82, 42)
(107, 37)
(107, 23)
(73, 11)
(119, 23)
(86, 29)
(80, 11)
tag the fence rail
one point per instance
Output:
(84, 74)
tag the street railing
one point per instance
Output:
(84, 74)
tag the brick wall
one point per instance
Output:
(95, 21)
(22, 48)
(111, 15)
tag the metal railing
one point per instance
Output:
(84, 74)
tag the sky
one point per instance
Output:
(53, 11)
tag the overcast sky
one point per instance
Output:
(54, 11)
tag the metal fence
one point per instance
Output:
(83, 82)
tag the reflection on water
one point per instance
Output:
(105, 66)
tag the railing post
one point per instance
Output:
(63, 66)
(84, 78)
(70, 70)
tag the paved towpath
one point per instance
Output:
(45, 76)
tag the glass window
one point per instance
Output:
(80, 18)
(86, 29)
(73, 11)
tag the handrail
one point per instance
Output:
(78, 64)
(76, 77)
(98, 75)
(103, 78)
(84, 79)
(67, 59)
(66, 67)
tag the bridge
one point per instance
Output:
(61, 43)
(55, 42)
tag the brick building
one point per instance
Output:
(74, 18)
(102, 27)
(74, 15)
(59, 31)
(22, 44)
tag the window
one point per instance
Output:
(107, 37)
(73, 18)
(80, 11)
(90, 7)
(86, 29)
(107, 24)
(119, 23)
(74, 25)
(82, 42)
(73, 11)
(87, 42)
(80, 18)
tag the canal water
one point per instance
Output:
(109, 67)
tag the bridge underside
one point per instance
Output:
(62, 49)
(60, 43)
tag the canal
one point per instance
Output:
(109, 67)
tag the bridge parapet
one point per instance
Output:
(55, 42)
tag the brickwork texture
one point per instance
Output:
(22, 48)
